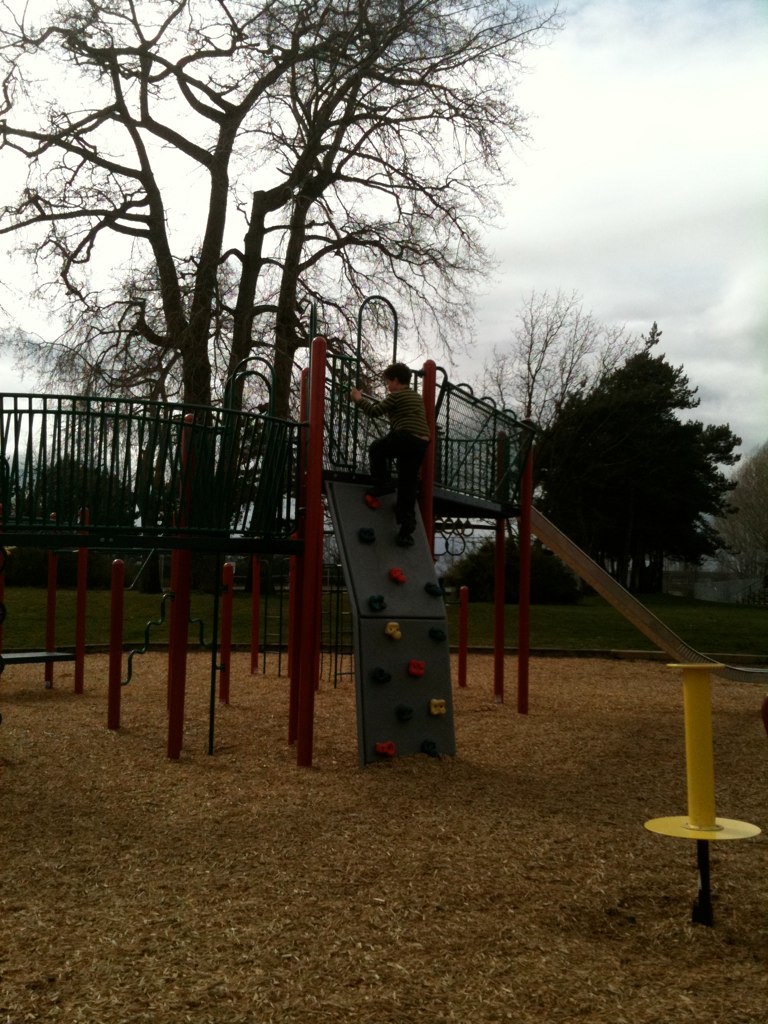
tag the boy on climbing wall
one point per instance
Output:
(405, 444)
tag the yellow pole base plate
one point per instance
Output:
(725, 828)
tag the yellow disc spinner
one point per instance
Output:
(725, 828)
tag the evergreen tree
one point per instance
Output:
(627, 479)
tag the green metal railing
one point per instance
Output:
(147, 472)
(144, 469)
(481, 448)
(348, 432)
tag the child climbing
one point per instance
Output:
(405, 445)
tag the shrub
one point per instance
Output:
(551, 581)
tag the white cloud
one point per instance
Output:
(644, 189)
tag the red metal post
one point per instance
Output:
(313, 558)
(463, 634)
(115, 644)
(255, 612)
(427, 489)
(296, 579)
(524, 606)
(82, 594)
(173, 575)
(498, 612)
(50, 615)
(225, 650)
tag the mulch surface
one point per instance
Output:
(514, 882)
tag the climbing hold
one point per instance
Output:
(376, 603)
(403, 713)
(392, 630)
(366, 535)
(397, 575)
(416, 668)
(764, 713)
(438, 707)
(433, 589)
(380, 675)
(387, 748)
(430, 747)
(437, 634)
(372, 501)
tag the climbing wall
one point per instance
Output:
(402, 664)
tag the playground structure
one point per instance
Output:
(121, 474)
(124, 474)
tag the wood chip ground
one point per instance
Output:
(514, 882)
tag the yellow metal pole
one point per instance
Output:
(701, 823)
(699, 759)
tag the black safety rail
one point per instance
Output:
(147, 474)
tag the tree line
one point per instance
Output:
(620, 464)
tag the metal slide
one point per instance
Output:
(627, 605)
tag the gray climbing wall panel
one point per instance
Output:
(402, 662)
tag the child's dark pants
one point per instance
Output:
(407, 452)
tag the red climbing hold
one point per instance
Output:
(372, 501)
(397, 575)
(416, 668)
(387, 748)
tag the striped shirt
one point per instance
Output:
(405, 410)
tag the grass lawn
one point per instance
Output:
(594, 625)
(590, 625)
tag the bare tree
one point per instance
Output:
(745, 530)
(355, 143)
(557, 350)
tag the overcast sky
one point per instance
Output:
(645, 189)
